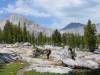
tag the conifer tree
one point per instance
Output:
(32, 38)
(19, 34)
(56, 38)
(64, 39)
(25, 35)
(41, 39)
(90, 36)
(8, 32)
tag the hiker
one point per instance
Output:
(48, 53)
(72, 53)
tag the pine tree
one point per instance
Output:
(14, 33)
(90, 36)
(25, 35)
(19, 34)
(41, 39)
(98, 40)
(49, 40)
(56, 38)
(71, 40)
(8, 32)
(33, 38)
(64, 39)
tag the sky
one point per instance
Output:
(53, 13)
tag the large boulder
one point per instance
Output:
(79, 63)
(5, 57)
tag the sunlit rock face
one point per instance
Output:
(30, 25)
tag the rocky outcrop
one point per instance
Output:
(83, 59)
(59, 62)
(80, 64)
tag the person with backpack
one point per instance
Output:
(48, 53)
(72, 53)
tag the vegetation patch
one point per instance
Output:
(10, 68)
(38, 73)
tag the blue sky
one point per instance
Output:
(53, 13)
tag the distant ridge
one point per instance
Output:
(77, 28)
(73, 28)
(72, 25)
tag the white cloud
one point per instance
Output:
(23, 8)
(57, 7)
(53, 8)
(62, 11)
